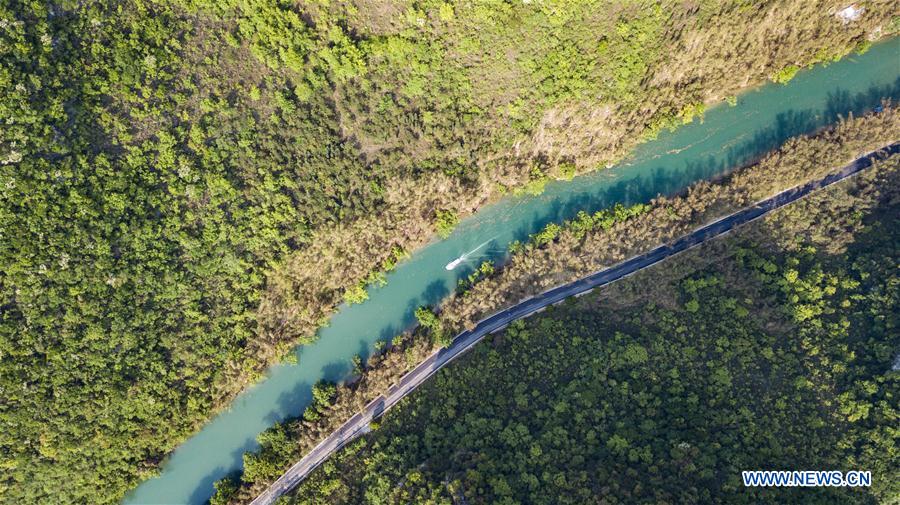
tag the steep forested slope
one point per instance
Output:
(187, 188)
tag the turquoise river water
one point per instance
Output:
(727, 137)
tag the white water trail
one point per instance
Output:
(465, 256)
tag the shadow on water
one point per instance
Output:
(787, 124)
(365, 350)
(202, 491)
(300, 393)
(841, 102)
(388, 333)
(333, 372)
(433, 293)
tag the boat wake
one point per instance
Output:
(465, 256)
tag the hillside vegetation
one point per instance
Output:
(562, 253)
(771, 348)
(188, 188)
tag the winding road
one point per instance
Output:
(359, 424)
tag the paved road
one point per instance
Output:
(359, 424)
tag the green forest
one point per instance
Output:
(771, 348)
(189, 188)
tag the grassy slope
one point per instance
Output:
(169, 170)
(771, 348)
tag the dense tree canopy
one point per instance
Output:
(188, 187)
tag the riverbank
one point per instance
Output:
(542, 263)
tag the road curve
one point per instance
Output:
(359, 424)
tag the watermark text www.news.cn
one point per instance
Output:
(806, 478)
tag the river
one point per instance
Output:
(727, 137)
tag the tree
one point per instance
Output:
(445, 223)
(428, 319)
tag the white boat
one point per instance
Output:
(455, 263)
